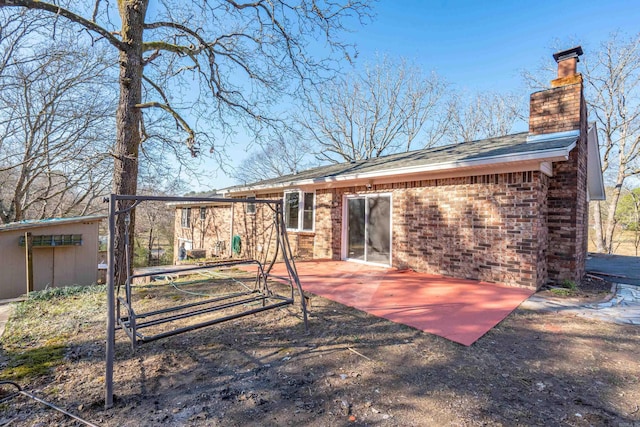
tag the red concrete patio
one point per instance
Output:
(456, 309)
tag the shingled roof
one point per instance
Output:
(500, 150)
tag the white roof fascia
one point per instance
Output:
(555, 154)
(552, 136)
(552, 155)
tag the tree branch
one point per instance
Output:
(57, 10)
(191, 140)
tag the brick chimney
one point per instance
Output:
(567, 64)
(559, 109)
(561, 112)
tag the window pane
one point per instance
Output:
(378, 231)
(292, 205)
(356, 228)
(203, 213)
(185, 218)
(307, 218)
(251, 207)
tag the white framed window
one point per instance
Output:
(299, 210)
(250, 208)
(185, 218)
(203, 214)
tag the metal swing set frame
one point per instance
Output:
(121, 312)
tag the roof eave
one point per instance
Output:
(551, 155)
(51, 222)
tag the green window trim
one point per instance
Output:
(53, 240)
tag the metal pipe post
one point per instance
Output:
(111, 316)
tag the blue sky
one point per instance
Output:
(482, 45)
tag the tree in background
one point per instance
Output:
(612, 92)
(225, 62)
(389, 108)
(484, 115)
(382, 111)
(612, 77)
(154, 231)
(53, 142)
(283, 155)
(628, 214)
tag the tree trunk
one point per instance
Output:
(150, 241)
(128, 118)
(597, 225)
(611, 219)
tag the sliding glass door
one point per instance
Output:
(369, 228)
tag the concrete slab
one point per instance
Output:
(457, 309)
(623, 308)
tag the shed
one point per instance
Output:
(65, 252)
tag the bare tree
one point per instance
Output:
(612, 92)
(484, 115)
(628, 214)
(613, 88)
(222, 60)
(54, 144)
(283, 155)
(384, 110)
(15, 29)
(155, 225)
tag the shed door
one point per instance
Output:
(369, 229)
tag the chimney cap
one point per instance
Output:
(574, 52)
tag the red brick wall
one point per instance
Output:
(258, 233)
(204, 233)
(256, 230)
(328, 224)
(557, 110)
(483, 227)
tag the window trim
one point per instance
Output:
(203, 213)
(301, 210)
(185, 217)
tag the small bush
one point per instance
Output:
(561, 292)
(65, 291)
(569, 284)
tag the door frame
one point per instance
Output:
(345, 227)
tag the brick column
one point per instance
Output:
(559, 109)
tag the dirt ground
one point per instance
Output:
(350, 369)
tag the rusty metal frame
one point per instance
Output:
(120, 309)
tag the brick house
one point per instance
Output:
(511, 209)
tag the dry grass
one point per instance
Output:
(624, 243)
(350, 369)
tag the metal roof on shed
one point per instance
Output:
(50, 222)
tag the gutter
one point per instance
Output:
(550, 155)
